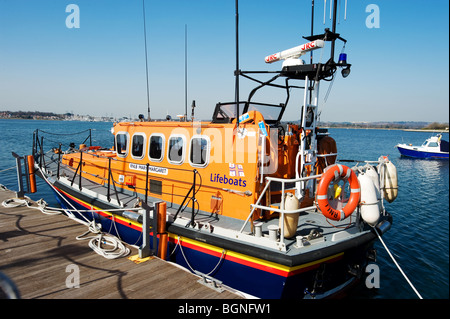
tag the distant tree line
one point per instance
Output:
(436, 126)
(30, 115)
(381, 125)
(388, 125)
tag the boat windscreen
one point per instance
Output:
(226, 112)
(444, 146)
(270, 113)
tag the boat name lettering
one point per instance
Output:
(151, 169)
(216, 178)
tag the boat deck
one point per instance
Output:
(310, 223)
(36, 250)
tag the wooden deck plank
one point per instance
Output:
(35, 250)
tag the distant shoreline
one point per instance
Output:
(387, 128)
(411, 126)
(432, 131)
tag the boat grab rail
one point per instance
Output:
(79, 171)
(85, 162)
(280, 210)
(38, 152)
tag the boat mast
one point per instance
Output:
(146, 62)
(307, 152)
(312, 33)
(236, 72)
(312, 25)
(185, 73)
(333, 29)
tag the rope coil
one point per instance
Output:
(100, 239)
(96, 243)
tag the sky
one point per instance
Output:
(400, 66)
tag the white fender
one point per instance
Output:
(290, 220)
(370, 211)
(388, 179)
(372, 173)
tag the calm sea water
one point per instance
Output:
(419, 237)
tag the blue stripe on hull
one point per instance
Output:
(253, 281)
(263, 284)
(235, 275)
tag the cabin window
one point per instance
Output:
(433, 144)
(199, 151)
(122, 144)
(137, 148)
(156, 148)
(175, 152)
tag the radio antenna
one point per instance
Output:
(333, 28)
(345, 10)
(185, 73)
(146, 62)
(236, 73)
(312, 25)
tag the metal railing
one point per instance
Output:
(192, 189)
(38, 143)
(111, 184)
(282, 209)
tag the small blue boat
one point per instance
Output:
(433, 148)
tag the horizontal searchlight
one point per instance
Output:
(295, 52)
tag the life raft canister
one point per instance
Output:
(333, 173)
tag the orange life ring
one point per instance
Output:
(331, 173)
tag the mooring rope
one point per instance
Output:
(118, 248)
(187, 262)
(7, 169)
(96, 241)
(398, 266)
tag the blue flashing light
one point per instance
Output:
(342, 58)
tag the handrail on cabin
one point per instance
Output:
(192, 189)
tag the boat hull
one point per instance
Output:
(416, 153)
(324, 276)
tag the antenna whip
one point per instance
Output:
(236, 73)
(146, 62)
